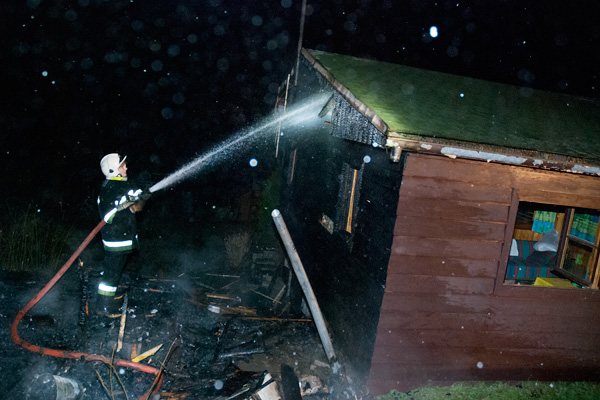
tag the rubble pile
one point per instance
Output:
(212, 334)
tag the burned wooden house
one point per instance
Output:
(449, 225)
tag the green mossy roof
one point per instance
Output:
(433, 104)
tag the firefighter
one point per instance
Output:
(118, 202)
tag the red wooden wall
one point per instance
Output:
(446, 315)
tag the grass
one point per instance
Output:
(33, 242)
(503, 391)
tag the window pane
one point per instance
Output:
(578, 260)
(585, 226)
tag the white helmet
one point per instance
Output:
(110, 164)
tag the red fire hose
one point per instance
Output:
(71, 354)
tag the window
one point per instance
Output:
(554, 246)
(348, 197)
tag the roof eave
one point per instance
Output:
(489, 153)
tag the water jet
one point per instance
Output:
(300, 113)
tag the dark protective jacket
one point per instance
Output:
(120, 232)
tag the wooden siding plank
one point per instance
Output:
(443, 189)
(452, 248)
(424, 166)
(404, 378)
(561, 198)
(441, 266)
(451, 209)
(395, 361)
(441, 228)
(526, 180)
(457, 303)
(391, 322)
(438, 284)
(489, 339)
(525, 292)
(532, 323)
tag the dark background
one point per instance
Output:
(164, 81)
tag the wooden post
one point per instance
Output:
(302, 18)
(307, 289)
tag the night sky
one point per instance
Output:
(163, 81)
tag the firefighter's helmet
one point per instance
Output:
(110, 164)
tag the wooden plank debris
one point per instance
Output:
(264, 295)
(220, 296)
(122, 327)
(147, 354)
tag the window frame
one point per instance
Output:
(565, 238)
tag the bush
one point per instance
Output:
(33, 242)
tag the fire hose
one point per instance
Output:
(71, 354)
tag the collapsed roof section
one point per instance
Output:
(432, 112)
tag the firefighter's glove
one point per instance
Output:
(137, 206)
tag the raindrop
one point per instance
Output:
(561, 40)
(367, 159)
(223, 64)
(86, 63)
(154, 46)
(253, 162)
(71, 15)
(350, 26)
(433, 31)
(137, 25)
(173, 50)
(44, 73)
(178, 98)
(219, 30)
(267, 65)
(33, 3)
(219, 384)
(272, 45)
(452, 51)
(257, 20)
(480, 365)
(114, 57)
(167, 113)
(157, 65)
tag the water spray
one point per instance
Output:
(298, 114)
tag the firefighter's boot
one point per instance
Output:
(108, 307)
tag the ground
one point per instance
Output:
(219, 327)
